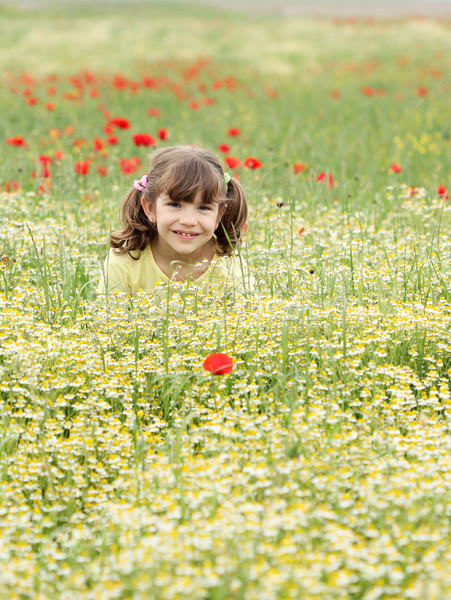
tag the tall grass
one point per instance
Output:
(318, 468)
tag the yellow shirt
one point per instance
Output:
(128, 276)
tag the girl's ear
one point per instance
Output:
(221, 211)
(149, 209)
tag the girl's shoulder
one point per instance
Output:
(232, 263)
(125, 258)
(230, 267)
(234, 271)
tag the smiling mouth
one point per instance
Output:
(185, 235)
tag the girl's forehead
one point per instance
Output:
(199, 197)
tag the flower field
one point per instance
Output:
(318, 465)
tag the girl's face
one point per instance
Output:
(185, 229)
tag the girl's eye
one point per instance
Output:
(171, 203)
(205, 207)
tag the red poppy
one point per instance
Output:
(367, 90)
(149, 82)
(218, 363)
(129, 165)
(45, 186)
(120, 122)
(163, 134)
(252, 163)
(98, 144)
(51, 91)
(72, 95)
(422, 92)
(89, 77)
(301, 232)
(80, 142)
(396, 168)
(335, 94)
(45, 160)
(442, 191)
(94, 93)
(224, 148)
(208, 101)
(195, 105)
(17, 140)
(298, 168)
(154, 112)
(108, 128)
(59, 155)
(102, 170)
(234, 132)
(127, 168)
(324, 177)
(232, 162)
(181, 95)
(120, 83)
(10, 186)
(54, 134)
(50, 106)
(82, 167)
(271, 93)
(143, 139)
(112, 140)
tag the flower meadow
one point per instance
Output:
(290, 443)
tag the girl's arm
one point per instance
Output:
(116, 275)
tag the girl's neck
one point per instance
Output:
(180, 267)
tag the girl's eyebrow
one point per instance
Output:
(205, 201)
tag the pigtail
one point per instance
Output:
(230, 228)
(137, 231)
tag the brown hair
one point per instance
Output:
(181, 172)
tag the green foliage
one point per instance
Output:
(319, 467)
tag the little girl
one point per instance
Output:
(181, 221)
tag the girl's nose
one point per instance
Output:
(187, 217)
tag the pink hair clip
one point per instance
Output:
(140, 184)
